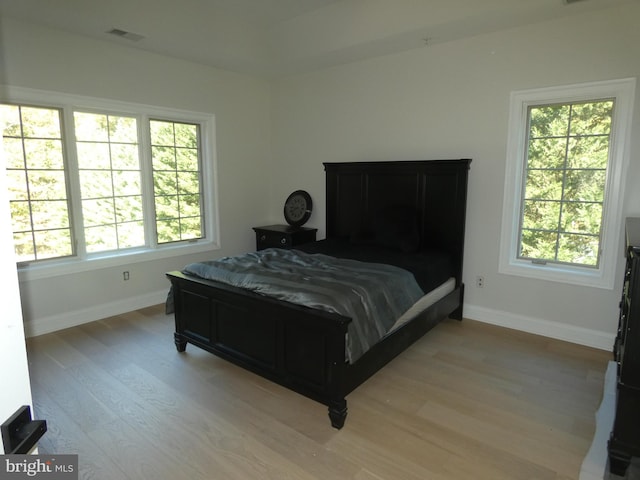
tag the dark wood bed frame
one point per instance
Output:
(304, 349)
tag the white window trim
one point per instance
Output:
(623, 91)
(64, 266)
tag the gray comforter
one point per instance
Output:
(373, 295)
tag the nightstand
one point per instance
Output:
(283, 236)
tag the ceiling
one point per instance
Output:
(276, 37)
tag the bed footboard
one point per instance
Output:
(298, 347)
(295, 346)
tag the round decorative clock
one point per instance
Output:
(297, 208)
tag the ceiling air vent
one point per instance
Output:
(134, 37)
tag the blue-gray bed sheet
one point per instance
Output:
(373, 295)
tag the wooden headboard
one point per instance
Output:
(437, 190)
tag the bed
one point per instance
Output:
(408, 214)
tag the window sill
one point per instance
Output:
(558, 273)
(57, 268)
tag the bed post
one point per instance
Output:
(180, 341)
(338, 413)
(457, 313)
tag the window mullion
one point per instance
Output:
(112, 200)
(525, 172)
(565, 166)
(148, 206)
(28, 192)
(76, 218)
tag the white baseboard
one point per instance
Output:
(538, 326)
(40, 326)
(560, 331)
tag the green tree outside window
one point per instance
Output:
(565, 179)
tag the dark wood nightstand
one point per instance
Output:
(283, 236)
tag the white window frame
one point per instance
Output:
(87, 262)
(622, 91)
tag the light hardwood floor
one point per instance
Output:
(467, 401)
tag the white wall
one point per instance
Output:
(442, 101)
(16, 389)
(42, 58)
(451, 100)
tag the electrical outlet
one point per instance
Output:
(480, 281)
(125, 275)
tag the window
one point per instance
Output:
(567, 154)
(176, 180)
(566, 165)
(37, 182)
(104, 181)
(110, 181)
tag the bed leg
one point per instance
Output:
(618, 463)
(338, 413)
(457, 313)
(180, 341)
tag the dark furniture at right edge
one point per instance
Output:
(624, 442)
